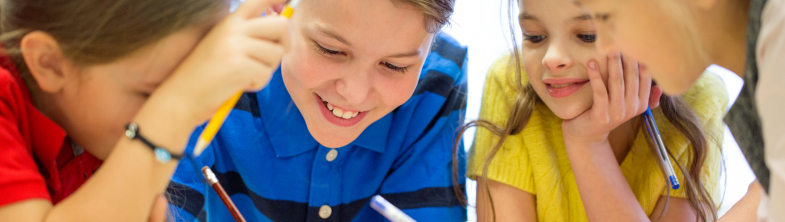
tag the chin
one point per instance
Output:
(330, 140)
(674, 85)
(567, 113)
(674, 88)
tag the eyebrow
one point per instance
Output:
(583, 17)
(332, 34)
(527, 16)
(579, 2)
(417, 52)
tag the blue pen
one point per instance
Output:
(389, 211)
(651, 126)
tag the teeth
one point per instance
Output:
(562, 85)
(338, 112)
(347, 115)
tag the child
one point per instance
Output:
(366, 102)
(558, 145)
(684, 37)
(76, 72)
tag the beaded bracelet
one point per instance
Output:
(161, 154)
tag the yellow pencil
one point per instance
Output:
(218, 119)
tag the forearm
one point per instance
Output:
(126, 185)
(746, 209)
(603, 189)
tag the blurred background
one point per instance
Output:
(483, 26)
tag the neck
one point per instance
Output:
(44, 103)
(622, 138)
(725, 32)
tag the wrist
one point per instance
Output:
(571, 141)
(166, 122)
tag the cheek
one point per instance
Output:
(109, 108)
(396, 89)
(637, 44)
(532, 57)
(318, 70)
(98, 113)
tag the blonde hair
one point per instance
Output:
(437, 12)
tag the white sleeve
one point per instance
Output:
(770, 99)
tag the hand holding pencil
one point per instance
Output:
(218, 118)
(240, 53)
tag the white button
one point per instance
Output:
(332, 155)
(325, 211)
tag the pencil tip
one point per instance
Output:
(200, 146)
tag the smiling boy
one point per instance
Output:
(367, 101)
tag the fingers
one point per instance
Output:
(158, 212)
(268, 28)
(631, 84)
(654, 97)
(645, 83)
(599, 93)
(260, 75)
(616, 86)
(278, 8)
(254, 8)
(265, 52)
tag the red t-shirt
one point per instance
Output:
(36, 158)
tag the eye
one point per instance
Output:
(394, 68)
(589, 38)
(602, 17)
(534, 38)
(326, 51)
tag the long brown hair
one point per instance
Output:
(92, 32)
(674, 108)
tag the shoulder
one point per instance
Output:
(439, 100)
(502, 69)
(445, 64)
(708, 96)
(11, 96)
(22, 179)
(443, 74)
(502, 77)
(498, 104)
(502, 89)
(450, 49)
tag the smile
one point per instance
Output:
(563, 87)
(337, 115)
(338, 112)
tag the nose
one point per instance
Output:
(606, 44)
(355, 86)
(557, 58)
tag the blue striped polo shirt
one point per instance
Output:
(274, 170)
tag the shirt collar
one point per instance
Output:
(375, 136)
(286, 128)
(47, 137)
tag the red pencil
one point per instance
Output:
(222, 193)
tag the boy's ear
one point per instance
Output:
(45, 61)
